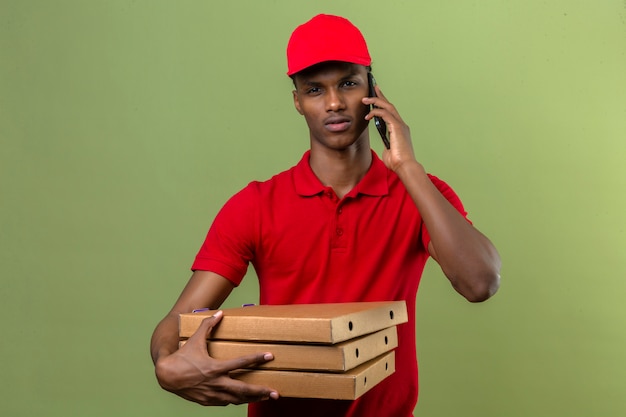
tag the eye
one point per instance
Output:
(313, 91)
(348, 84)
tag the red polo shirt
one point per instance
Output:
(308, 246)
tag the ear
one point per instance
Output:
(296, 102)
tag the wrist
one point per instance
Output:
(410, 169)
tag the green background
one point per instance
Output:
(125, 125)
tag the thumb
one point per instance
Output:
(205, 328)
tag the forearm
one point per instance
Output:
(165, 337)
(466, 256)
(204, 289)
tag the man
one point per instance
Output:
(340, 226)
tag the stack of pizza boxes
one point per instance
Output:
(334, 351)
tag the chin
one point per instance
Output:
(344, 144)
(341, 140)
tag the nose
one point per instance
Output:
(334, 100)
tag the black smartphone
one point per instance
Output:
(381, 126)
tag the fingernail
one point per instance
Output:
(274, 395)
(218, 314)
(268, 357)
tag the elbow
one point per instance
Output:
(482, 288)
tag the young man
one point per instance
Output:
(340, 226)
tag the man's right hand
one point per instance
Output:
(192, 374)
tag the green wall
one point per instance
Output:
(125, 125)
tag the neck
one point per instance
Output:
(341, 169)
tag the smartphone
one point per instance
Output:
(381, 126)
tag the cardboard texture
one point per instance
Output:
(338, 386)
(301, 323)
(339, 357)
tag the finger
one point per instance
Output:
(384, 103)
(381, 103)
(389, 114)
(379, 92)
(385, 114)
(242, 392)
(203, 331)
(212, 399)
(376, 102)
(226, 390)
(377, 111)
(245, 361)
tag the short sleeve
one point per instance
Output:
(230, 243)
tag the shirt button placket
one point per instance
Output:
(340, 227)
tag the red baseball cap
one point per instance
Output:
(326, 38)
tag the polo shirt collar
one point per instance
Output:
(374, 182)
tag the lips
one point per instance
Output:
(337, 123)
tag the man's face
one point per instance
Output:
(329, 96)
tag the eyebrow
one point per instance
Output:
(311, 83)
